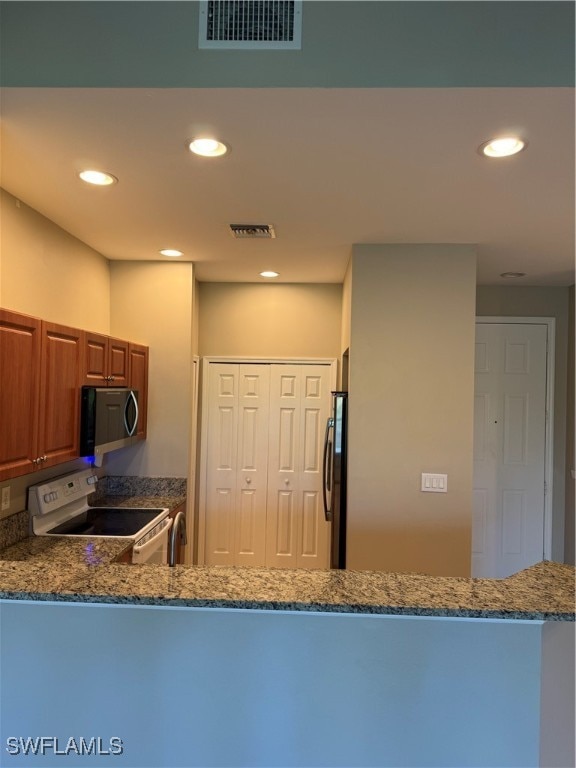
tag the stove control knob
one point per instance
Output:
(47, 497)
(92, 479)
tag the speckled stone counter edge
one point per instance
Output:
(378, 610)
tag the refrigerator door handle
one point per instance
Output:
(327, 469)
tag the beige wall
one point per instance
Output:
(346, 309)
(152, 303)
(46, 272)
(411, 407)
(569, 522)
(262, 320)
(519, 301)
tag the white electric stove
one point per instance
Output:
(59, 507)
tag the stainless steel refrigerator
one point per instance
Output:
(334, 469)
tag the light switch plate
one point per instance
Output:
(434, 483)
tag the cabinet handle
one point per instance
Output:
(44, 458)
(34, 461)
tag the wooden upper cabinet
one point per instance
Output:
(118, 363)
(42, 368)
(61, 368)
(139, 380)
(20, 346)
(106, 361)
(95, 359)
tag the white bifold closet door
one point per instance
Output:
(237, 464)
(297, 534)
(263, 497)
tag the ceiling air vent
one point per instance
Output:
(265, 231)
(250, 24)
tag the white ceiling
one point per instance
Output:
(327, 167)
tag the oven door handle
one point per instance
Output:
(140, 553)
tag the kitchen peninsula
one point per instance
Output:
(194, 666)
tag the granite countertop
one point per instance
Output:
(82, 570)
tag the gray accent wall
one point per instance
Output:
(344, 44)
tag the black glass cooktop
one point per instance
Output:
(107, 521)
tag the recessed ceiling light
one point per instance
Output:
(208, 147)
(269, 273)
(171, 252)
(508, 145)
(513, 274)
(99, 178)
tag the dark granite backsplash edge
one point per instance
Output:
(14, 528)
(123, 485)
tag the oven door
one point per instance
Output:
(153, 547)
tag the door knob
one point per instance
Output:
(248, 480)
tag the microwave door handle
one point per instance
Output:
(131, 430)
(327, 469)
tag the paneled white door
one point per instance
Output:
(262, 504)
(297, 533)
(237, 464)
(509, 448)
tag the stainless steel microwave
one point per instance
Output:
(108, 419)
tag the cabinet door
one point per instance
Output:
(106, 361)
(118, 363)
(20, 344)
(95, 359)
(61, 367)
(139, 381)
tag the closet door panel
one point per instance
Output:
(309, 539)
(221, 464)
(283, 461)
(252, 464)
(313, 530)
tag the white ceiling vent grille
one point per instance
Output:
(265, 231)
(250, 24)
